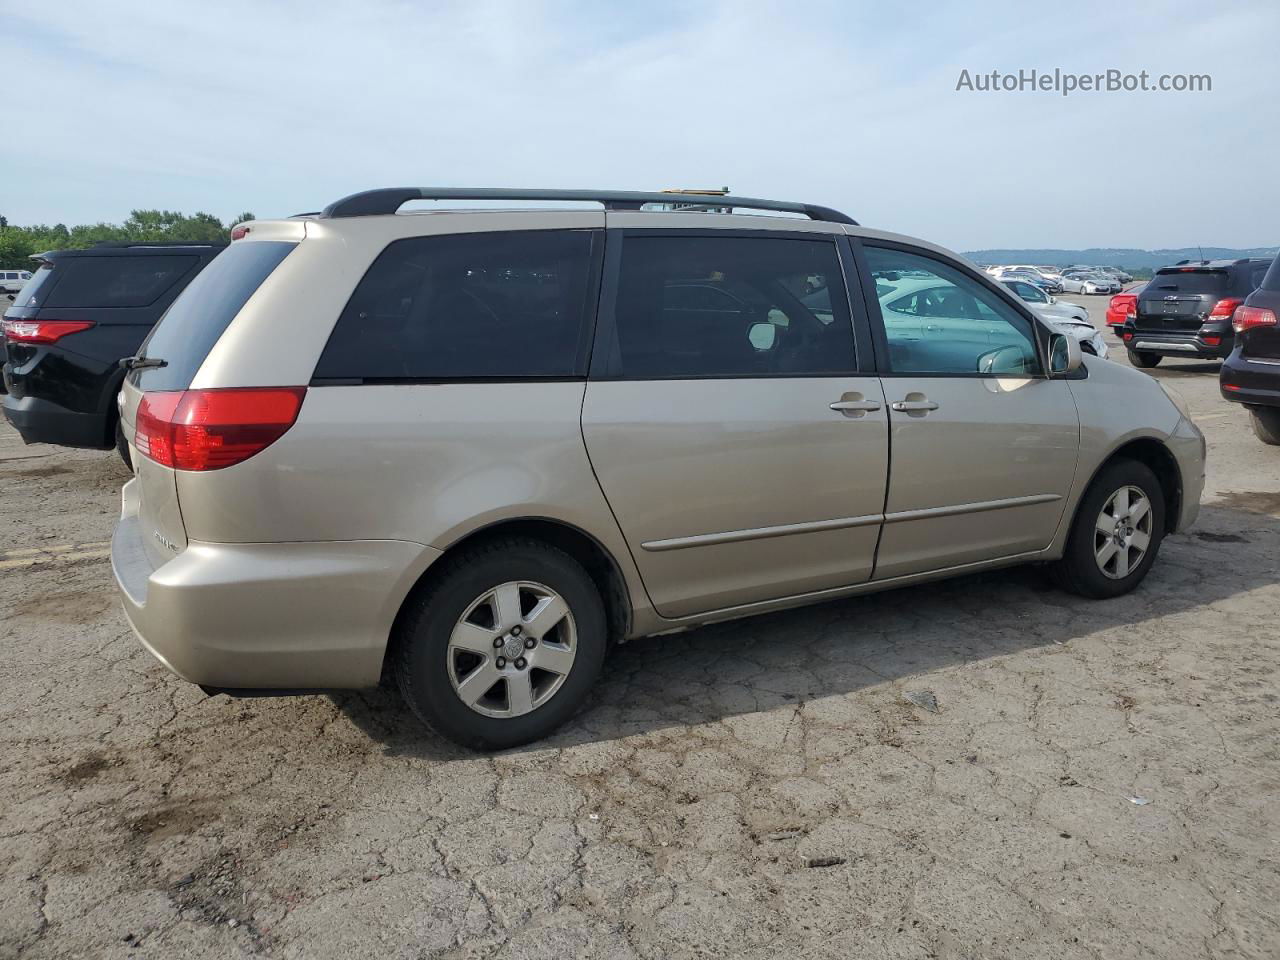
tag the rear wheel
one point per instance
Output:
(1143, 359)
(503, 646)
(1116, 533)
(1266, 424)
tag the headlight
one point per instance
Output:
(1176, 399)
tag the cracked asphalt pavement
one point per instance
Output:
(1099, 779)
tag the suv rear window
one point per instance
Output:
(203, 311)
(30, 294)
(478, 306)
(1212, 282)
(116, 281)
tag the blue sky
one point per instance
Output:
(282, 107)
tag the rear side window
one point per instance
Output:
(203, 311)
(692, 307)
(32, 293)
(476, 306)
(1213, 282)
(116, 281)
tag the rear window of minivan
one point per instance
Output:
(203, 311)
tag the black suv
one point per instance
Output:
(1186, 309)
(69, 327)
(1251, 375)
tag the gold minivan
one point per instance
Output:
(470, 448)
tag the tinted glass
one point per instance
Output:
(939, 320)
(467, 306)
(731, 307)
(32, 293)
(1272, 280)
(203, 311)
(1212, 282)
(116, 281)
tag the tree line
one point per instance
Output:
(17, 244)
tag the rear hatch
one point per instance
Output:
(1179, 300)
(163, 371)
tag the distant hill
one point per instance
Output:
(1126, 258)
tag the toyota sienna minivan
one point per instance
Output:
(471, 449)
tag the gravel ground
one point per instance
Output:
(1098, 779)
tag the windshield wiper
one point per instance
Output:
(143, 363)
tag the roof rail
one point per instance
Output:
(390, 199)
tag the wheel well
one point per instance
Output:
(595, 559)
(1157, 457)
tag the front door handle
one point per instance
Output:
(853, 405)
(915, 403)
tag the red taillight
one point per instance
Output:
(1128, 335)
(240, 232)
(1249, 317)
(1210, 339)
(212, 429)
(1224, 308)
(42, 331)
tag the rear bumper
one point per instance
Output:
(297, 616)
(40, 421)
(1255, 382)
(1188, 344)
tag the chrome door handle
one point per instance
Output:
(906, 406)
(856, 406)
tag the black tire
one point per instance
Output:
(421, 654)
(1266, 424)
(1078, 571)
(1144, 360)
(122, 447)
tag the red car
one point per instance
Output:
(1123, 305)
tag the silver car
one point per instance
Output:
(469, 450)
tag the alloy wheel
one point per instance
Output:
(1122, 532)
(512, 649)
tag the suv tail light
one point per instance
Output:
(42, 331)
(1224, 308)
(212, 429)
(1247, 318)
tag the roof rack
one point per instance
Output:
(390, 199)
(121, 244)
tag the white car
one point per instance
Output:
(928, 307)
(1089, 283)
(11, 281)
(1070, 318)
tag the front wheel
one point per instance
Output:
(1143, 359)
(1266, 424)
(503, 646)
(1116, 532)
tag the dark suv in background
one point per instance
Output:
(72, 323)
(1251, 375)
(1186, 310)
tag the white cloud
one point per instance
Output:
(279, 107)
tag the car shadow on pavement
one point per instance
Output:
(785, 659)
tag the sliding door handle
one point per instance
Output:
(856, 406)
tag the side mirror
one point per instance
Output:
(762, 335)
(1053, 299)
(1065, 356)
